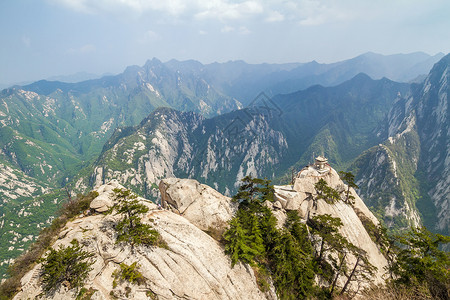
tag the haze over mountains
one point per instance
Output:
(393, 134)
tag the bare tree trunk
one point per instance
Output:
(337, 273)
(351, 275)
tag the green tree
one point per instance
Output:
(243, 240)
(292, 269)
(68, 265)
(420, 260)
(327, 229)
(291, 259)
(254, 191)
(299, 231)
(349, 180)
(325, 192)
(253, 238)
(362, 270)
(130, 229)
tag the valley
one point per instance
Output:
(189, 120)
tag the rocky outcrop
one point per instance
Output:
(193, 266)
(202, 205)
(300, 196)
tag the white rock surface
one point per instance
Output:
(202, 205)
(195, 266)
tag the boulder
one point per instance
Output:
(101, 203)
(202, 205)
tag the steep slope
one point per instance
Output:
(414, 159)
(340, 121)
(302, 197)
(49, 131)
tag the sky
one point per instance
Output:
(44, 38)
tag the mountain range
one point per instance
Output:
(220, 122)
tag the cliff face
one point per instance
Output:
(408, 176)
(168, 143)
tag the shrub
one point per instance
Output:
(129, 273)
(69, 265)
(130, 229)
(253, 238)
(421, 262)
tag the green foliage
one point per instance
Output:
(68, 265)
(85, 294)
(128, 273)
(291, 260)
(349, 179)
(253, 238)
(254, 191)
(327, 228)
(326, 192)
(333, 267)
(243, 239)
(420, 260)
(130, 229)
(151, 295)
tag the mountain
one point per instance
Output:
(192, 263)
(263, 140)
(407, 176)
(386, 132)
(49, 131)
(77, 77)
(85, 133)
(245, 81)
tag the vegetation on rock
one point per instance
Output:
(325, 192)
(130, 228)
(253, 238)
(349, 179)
(68, 266)
(128, 273)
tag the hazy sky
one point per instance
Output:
(43, 38)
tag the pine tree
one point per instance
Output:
(420, 260)
(349, 179)
(69, 265)
(130, 229)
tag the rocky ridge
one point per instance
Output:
(194, 265)
(405, 179)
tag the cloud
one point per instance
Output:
(303, 12)
(275, 16)
(223, 10)
(227, 29)
(199, 9)
(172, 7)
